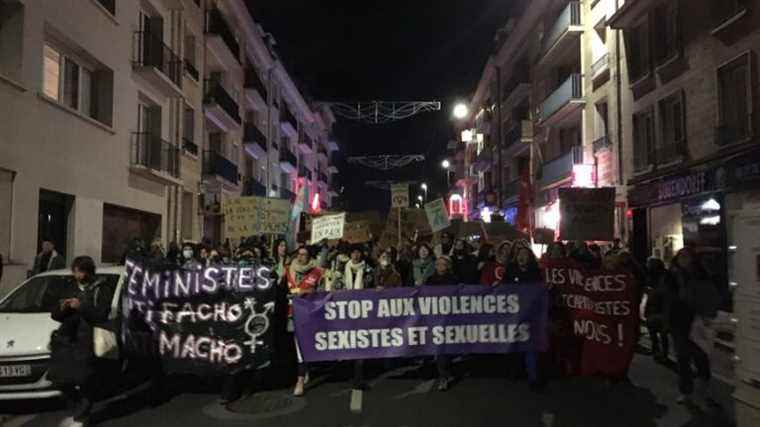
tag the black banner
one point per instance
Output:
(214, 320)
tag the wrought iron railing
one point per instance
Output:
(253, 81)
(571, 15)
(562, 166)
(216, 24)
(216, 164)
(217, 94)
(570, 89)
(189, 146)
(151, 51)
(150, 151)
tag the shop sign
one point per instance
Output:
(677, 187)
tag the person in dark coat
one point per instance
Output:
(48, 259)
(443, 275)
(523, 269)
(386, 275)
(655, 309)
(74, 368)
(465, 264)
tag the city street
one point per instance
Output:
(403, 397)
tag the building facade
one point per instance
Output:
(127, 120)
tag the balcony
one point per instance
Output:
(253, 187)
(484, 160)
(520, 132)
(600, 70)
(191, 70)
(288, 160)
(564, 35)
(154, 61)
(287, 194)
(254, 142)
(561, 167)
(322, 152)
(223, 47)
(216, 165)
(189, 147)
(154, 158)
(221, 108)
(288, 122)
(255, 92)
(322, 177)
(305, 144)
(601, 143)
(564, 104)
(517, 93)
(511, 191)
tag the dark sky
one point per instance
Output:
(359, 50)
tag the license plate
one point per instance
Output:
(15, 371)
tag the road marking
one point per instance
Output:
(220, 412)
(357, 396)
(421, 388)
(547, 419)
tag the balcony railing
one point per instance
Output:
(216, 164)
(322, 150)
(601, 142)
(189, 146)
(562, 166)
(571, 15)
(287, 117)
(600, 65)
(306, 141)
(252, 134)
(151, 51)
(323, 177)
(519, 131)
(511, 189)
(253, 81)
(217, 94)
(287, 194)
(570, 90)
(253, 187)
(150, 151)
(287, 156)
(215, 24)
(191, 70)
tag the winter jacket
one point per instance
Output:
(687, 297)
(55, 262)
(442, 279)
(387, 277)
(422, 269)
(514, 274)
(466, 268)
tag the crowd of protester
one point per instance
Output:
(677, 295)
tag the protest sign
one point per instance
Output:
(413, 221)
(424, 321)
(202, 321)
(400, 195)
(437, 215)
(248, 216)
(356, 232)
(328, 227)
(587, 213)
(597, 314)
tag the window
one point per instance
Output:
(672, 119)
(735, 101)
(666, 34)
(6, 204)
(77, 86)
(726, 10)
(11, 37)
(188, 125)
(643, 140)
(638, 51)
(190, 59)
(109, 5)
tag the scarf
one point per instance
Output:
(302, 276)
(351, 281)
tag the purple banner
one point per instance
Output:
(421, 321)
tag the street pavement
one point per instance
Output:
(406, 396)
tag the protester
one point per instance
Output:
(556, 251)
(692, 302)
(444, 275)
(386, 275)
(280, 258)
(485, 255)
(189, 259)
(446, 247)
(524, 268)
(493, 271)
(302, 277)
(173, 254)
(358, 274)
(85, 304)
(596, 253)
(464, 263)
(404, 260)
(156, 252)
(423, 266)
(48, 259)
(655, 310)
(336, 267)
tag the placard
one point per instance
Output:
(250, 216)
(400, 195)
(357, 232)
(587, 213)
(438, 216)
(328, 227)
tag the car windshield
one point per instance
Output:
(40, 294)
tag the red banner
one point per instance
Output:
(595, 318)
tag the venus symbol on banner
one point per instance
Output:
(400, 195)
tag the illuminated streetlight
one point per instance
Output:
(423, 186)
(461, 111)
(419, 198)
(445, 164)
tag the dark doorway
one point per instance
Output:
(122, 225)
(640, 244)
(53, 219)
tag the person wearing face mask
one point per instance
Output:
(423, 266)
(386, 275)
(74, 368)
(334, 279)
(188, 258)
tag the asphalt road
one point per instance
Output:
(406, 396)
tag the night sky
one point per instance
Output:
(349, 50)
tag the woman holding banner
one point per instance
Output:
(443, 276)
(423, 266)
(301, 277)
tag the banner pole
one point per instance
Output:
(399, 228)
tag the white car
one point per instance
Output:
(25, 328)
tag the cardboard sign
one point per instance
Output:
(438, 216)
(357, 232)
(328, 227)
(400, 195)
(587, 213)
(249, 216)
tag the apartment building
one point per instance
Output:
(135, 119)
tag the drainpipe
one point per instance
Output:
(619, 89)
(499, 141)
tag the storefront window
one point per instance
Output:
(666, 231)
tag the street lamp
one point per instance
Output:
(424, 188)
(419, 198)
(461, 111)
(445, 164)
